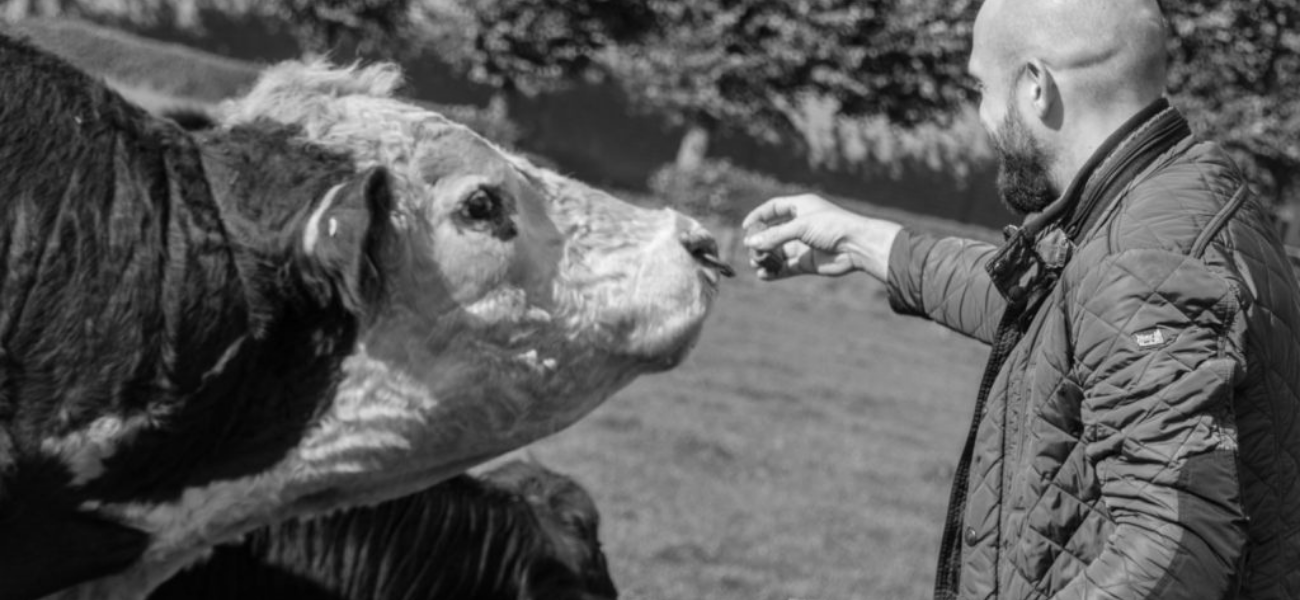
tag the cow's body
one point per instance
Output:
(161, 325)
(520, 532)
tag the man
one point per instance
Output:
(1137, 431)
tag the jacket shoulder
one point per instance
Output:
(1170, 205)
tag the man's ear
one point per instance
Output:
(347, 239)
(1045, 96)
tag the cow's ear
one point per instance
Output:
(348, 236)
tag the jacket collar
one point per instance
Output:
(1120, 159)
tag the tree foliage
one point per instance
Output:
(1236, 71)
(745, 63)
(371, 26)
(383, 27)
(530, 46)
(749, 65)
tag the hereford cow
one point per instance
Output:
(154, 290)
(498, 303)
(519, 532)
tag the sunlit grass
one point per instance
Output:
(804, 451)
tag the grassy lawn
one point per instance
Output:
(803, 451)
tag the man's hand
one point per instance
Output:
(807, 235)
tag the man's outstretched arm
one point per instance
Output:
(808, 235)
(943, 279)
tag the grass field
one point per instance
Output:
(803, 451)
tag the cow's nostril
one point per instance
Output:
(701, 245)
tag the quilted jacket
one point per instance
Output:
(1141, 434)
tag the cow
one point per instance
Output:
(473, 303)
(518, 532)
(153, 288)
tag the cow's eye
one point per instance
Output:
(482, 205)
(485, 210)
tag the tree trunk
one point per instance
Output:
(499, 103)
(17, 10)
(52, 8)
(694, 147)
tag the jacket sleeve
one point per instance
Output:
(944, 279)
(1158, 347)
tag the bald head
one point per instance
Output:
(1098, 51)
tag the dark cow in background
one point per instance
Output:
(172, 309)
(519, 532)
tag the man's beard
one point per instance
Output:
(1023, 178)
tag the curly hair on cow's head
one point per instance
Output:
(321, 78)
(354, 109)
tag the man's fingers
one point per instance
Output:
(776, 209)
(775, 271)
(782, 262)
(805, 262)
(774, 237)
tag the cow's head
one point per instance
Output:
(516, 300)
(519, 299)
(494, 245)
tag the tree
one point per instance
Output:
(531, 46)
(1236, 70)
(384, 27)
(381, 27)
(747, 65)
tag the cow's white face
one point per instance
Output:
(517, 301)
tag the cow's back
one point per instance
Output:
(114, 252)
(82, 237)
